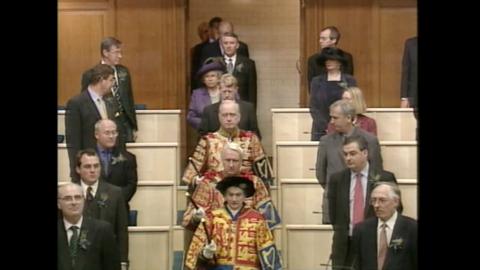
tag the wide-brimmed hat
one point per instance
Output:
(237, 181)
(210, 67)
(331, 53)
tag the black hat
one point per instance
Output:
(331, 53)
(210, 67)
(237, 181)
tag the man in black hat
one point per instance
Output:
(223, 242)
(327, 88)
(329, 37)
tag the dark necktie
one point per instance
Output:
(230, 66)
(116, 93)
(73, 243)
(358, 200)
(106, 161)
(382, 248)
(89, 194)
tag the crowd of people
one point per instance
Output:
(230, 213)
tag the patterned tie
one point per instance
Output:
(102, 108)
(358, 200)
(89, 194)
(382, 248)
(73, 243)
(230, 66)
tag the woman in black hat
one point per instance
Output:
(327, 88)
(209, 74)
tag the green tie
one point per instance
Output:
(74, 243)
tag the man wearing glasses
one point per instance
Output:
(83, 243)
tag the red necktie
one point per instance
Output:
(358, 200)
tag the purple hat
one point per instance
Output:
(210, 67)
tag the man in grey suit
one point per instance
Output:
(84, 110)
(389, 240)
(229, 91)
(329, 155)
(83, 243)
(104, 201)
(349, 197)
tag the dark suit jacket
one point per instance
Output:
(409, 81)
(248, 119)
(196, 64)
(122, 172)
(126, 94)
(314, 69)
(365, 245)
(213, 50)
(246, 74)
(100, 254)
(109, 205)
(339, 209)
(330, 160)
(80, 117)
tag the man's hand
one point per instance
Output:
(198, 214)
(404, 103)
(209, 250)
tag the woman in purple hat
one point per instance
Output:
(209, 74)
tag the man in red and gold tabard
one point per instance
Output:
(207, 198)
(234, 236)
(207, 154)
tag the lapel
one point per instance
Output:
(62, 244)
(93, 106)
(371, 243)
(99, 197)
(337, 144)
(346, 195)
(396, 234)
(239, 61)
(82, 254)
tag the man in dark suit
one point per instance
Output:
(409, 83)
(329, 155)
(104, 201)
(329, 37)
(119, 167)
(214, 49)
(349, 197)
(203, 34)
(389, 240)
(241, 67)
(84, 110)
(121, 94)
(83, 243)
(229, 91)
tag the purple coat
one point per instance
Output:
(199, 100)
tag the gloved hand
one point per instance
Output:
(209, 250)
(198, 179)
(198, 214)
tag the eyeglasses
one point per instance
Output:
(111, 133)
(71, 198)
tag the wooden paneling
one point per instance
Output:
(392, 39)
(409, 197)
(153, 36)
(296, 160)
(308, 246)
(149, 248)
(400, 158)
(305, 195)
(374, 31)
(156, 161)
(154, 204)
(79, 36)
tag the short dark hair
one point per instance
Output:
(100, 72)
(107, 43)
(85, 152)
(213, 21)
(360, 140)
(334, 33)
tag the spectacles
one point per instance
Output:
(72, 198)
(111, 133)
